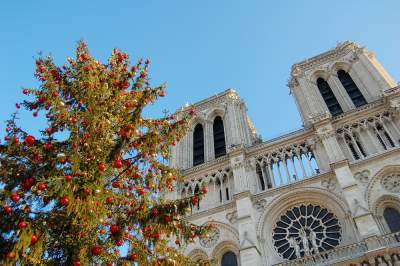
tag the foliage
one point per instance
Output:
(96, 179)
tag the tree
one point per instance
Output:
(96, 178)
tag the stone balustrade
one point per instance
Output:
(383, 247)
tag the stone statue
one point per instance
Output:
(304, 240)
(396, 260)
(381, 262)
(293, 243)
(313, 238)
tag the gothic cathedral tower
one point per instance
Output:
(328, 194)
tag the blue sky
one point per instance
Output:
(198, 47)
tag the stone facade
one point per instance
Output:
(327, 194)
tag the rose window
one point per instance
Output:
(391, 183)
(211, 238)
(306, 230)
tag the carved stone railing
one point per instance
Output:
(285, 161)
(349, 253)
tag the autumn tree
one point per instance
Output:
(95, 178)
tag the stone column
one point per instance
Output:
(340, 92)
(208, 141)
(249, 252)
(353, 194)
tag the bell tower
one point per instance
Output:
(221, 124)
(337, 81)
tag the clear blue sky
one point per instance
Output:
(199, 47)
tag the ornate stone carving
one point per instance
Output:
(357, 207)
(314, 118)
(329, 184)
(211, 238)
(362, 176)
(260, 204)
(232, 217)
(306, 230)
(391, 183)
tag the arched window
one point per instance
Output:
(392, 218)
(229, 259)
(350, 144)
(260, 177)
(351, 88)
(196, 191)
(198, 145)
(329, 98)
(219, 137)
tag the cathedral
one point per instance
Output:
(327, 194)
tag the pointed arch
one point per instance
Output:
(351, 88)
(198, 145)
(329, 98)
(392, 219)
(219, 137)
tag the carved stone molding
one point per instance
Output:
(362, 176)
(232, 217)
(211, 238)
(329, 183)
(260, 204)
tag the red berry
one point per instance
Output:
(195, 200)
(205, 190)
(34, 239)
(68, 178)
(25, 91)
(15, 197)
(11, 255)
(125, 85)
(109, 200)
(77, 263)
(140, 191)
(49, 130)
(41, 186)
(7, 209)
(29, 140)
(156, 235)
(147, 61)
(22, 224)
(114, 229)
(192, 111)
(177, 242)
(64, 201)
(115, 184)
(118, 163)
(47, 146)
(101, 167)
(84, 57)
(97, 250)
(17, 105)
(119, 242)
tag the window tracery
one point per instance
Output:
(391, 183)
(306, 230)
(211, 239)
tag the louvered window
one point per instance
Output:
(198, 145)
(352, 90)
(219, 137)
(329, 98)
